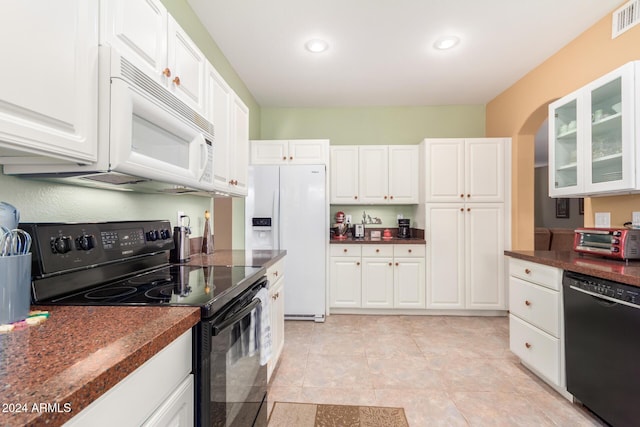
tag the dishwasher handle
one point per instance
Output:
(603, 299)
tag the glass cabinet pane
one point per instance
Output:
(566, 145)
(606, 132)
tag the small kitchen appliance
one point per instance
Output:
(182, 250)
(358, 231)
(404, 230)
(127, 264)
(618, 243)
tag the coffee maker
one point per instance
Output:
(404, 230)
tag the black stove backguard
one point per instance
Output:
(70, 257)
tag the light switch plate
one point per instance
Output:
(603, 219)
(349, 218)
(635, 219)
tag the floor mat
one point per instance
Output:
(320, 415)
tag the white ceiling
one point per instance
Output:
(381, 51)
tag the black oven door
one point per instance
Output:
(231, 383)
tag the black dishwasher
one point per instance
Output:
(602, 344)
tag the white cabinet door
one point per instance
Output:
(240, 146)
(265, 152)
(465, 170)
(138, 30)
(345, 282)
(609, 135)
(344, 174)
(403, 174)
(177, 410)
(484, 256)
(308, 151)
(276, 315)
(409, 282)
(592, 133)
(445, 175)
(484, 166)
(49, 94)
(219, 113)
(445, 256)
(377, 282)
(566, 176)
(373, 169)
(187, 65)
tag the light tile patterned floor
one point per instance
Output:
(443, 370)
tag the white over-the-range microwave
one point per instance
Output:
(148, 139)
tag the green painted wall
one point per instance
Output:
(373, 125)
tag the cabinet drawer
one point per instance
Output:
(544, 275)
(535, 304)
(346, 250)
(536, 348)
(377, 250)
(275, 272)
(409, 251)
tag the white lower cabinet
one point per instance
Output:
(377, 276)
(536, 327)
(275, 274)
(158, 393)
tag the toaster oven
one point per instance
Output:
(619, 243)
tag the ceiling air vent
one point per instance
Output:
(626, 17)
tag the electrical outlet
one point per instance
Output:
(635, 219)
(603, 219)
(349, 218)
(179, 218)
(400, 216)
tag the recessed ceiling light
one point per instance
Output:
(316, 45)
(446, 42)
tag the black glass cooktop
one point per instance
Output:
(169, 285)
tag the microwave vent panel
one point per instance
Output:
(160, 94)
(625, 18)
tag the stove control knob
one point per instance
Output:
(85, 243)
(61, 245)
(165, 234)
(152, 235)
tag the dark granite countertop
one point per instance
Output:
(78, 354)
(258, 258)
(369, 241)
(619, 271)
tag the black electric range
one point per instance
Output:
(127, 263)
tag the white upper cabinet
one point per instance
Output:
(374, 174)
(239, 147)
(344, 174)
(592, 134)
(464, 170)
(230, 118)
(187, 66)
(293, 152)
(219, 112)
(49, 90)
(146, 35)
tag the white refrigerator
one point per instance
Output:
(286, 208)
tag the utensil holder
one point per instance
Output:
(15, 288)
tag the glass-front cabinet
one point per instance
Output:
(592, 138)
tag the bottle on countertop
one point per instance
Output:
(207, 242)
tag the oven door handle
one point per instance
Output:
(218, 328)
